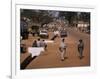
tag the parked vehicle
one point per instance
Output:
(43, 34)
(63, 33)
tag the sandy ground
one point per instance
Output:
(51, 58)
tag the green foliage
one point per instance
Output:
(37, 16)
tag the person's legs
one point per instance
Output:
(65, 53)
(62, 55)
(45, 47)
(81, 53)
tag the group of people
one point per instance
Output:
(40, 43)
(63, 48)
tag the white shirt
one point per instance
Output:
(62, 45)
(38, 43)
(56, 32)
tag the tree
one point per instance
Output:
(38, 16)
(85, 16)
(70, 16)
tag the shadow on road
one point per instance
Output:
(26, 62)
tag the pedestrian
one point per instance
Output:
(45, 45)
(81, 48)
(23, 48)
(62, 49)
(34, 44)
(38, 43)
(41, 43)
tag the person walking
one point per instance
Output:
(81, 48)
(62, 49)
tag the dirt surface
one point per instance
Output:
(51, 57)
